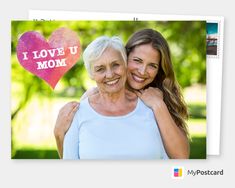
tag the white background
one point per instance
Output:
(57, 173)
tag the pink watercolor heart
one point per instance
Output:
(49, 60)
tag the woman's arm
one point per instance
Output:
(175, 141)
(63, 122)
(65, 118)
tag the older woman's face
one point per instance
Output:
(142, 67)
(109, 71)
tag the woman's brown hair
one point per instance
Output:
(165, 78)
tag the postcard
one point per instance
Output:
(59, 63)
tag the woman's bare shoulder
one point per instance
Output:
(94, 98)
(89, 92)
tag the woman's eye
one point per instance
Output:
(99, 70)
(116, 65)
(154, 66)
(137, 60)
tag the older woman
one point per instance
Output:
(113, 123)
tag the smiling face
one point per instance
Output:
(109, 72)
(143, 65)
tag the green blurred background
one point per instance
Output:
(35, 106)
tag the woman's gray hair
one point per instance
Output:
(96, 48)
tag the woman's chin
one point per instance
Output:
(136, 86)
(113, 89)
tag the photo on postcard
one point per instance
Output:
(108, 89)
(212, 38)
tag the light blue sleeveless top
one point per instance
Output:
(131, 136)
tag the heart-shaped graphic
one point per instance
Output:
(49, 60)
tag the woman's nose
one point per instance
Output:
(142, 70)
(109, 73)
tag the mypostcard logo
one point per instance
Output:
(177, 172)
(205, 172)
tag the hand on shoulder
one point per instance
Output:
(151, 96)
(65, 118)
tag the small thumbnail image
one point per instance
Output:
(212, 38)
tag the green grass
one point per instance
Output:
(197, 151)
(198, 148)
(35, 154)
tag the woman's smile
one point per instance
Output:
(138, 78)
(112, 82)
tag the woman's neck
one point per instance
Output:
(112, 98)
(113, 104)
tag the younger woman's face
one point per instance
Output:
(142, 66)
